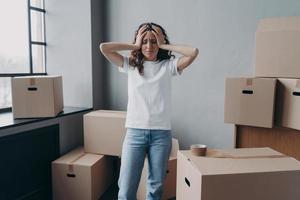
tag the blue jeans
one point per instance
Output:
(138, 143)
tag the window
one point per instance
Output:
(23, 43)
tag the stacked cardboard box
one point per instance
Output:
(288, 103)
(91, 166)
(79, 175)
(250, 101)
(253, 101)
(104, 132)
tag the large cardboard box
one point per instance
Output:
(169, 190)
(247, 174)
(36, 96)
(250, 101)
(104, 132)
(278, 48)
(288, 103)
(79, 175)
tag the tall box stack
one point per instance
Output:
(277, 53)
(271, 98)
(78, 175)
(36, 96)
(87, 172)
(104, 132)
(247, 174)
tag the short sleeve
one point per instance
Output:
(172, 65)
(125, 67)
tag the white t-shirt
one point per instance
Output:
(149, 96)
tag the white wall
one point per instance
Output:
(224, 32)
(68, 37)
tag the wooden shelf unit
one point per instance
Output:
(284, 140)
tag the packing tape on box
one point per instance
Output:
(71, 165)
(298, 83)
(248, 90)
(32, 81)
(219, 154)
(249, 81)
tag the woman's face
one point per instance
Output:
(149, 47)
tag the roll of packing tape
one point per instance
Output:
(198, 149)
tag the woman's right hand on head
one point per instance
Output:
(140, 35)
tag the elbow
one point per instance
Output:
(195, 52)
(102, 47)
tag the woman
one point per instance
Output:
(150, 69)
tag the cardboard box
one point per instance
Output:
(278, 48)
(170, 181)
(247, 174)
(104, 132)
(288, 103)
(79, 175)
(250, 101)
(36, 96)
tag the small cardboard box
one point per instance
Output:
(36, 96)
(250, 101)
(247, 174)
(288, 103)
(278, 48)
(169, 190)
(78, 175)
(104, 132)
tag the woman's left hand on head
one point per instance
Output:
(159, 35)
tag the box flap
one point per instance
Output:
(107, 113)
(246, 160)
(38, 77)
(88, 159)
(70, 156)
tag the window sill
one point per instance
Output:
(7, 120)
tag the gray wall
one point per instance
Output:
(224, 32)
(99, 67)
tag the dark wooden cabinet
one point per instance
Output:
(25, 163)
(284, 140)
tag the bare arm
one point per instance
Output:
(188, 53)
(110, 49)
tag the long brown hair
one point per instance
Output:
(137, 58)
